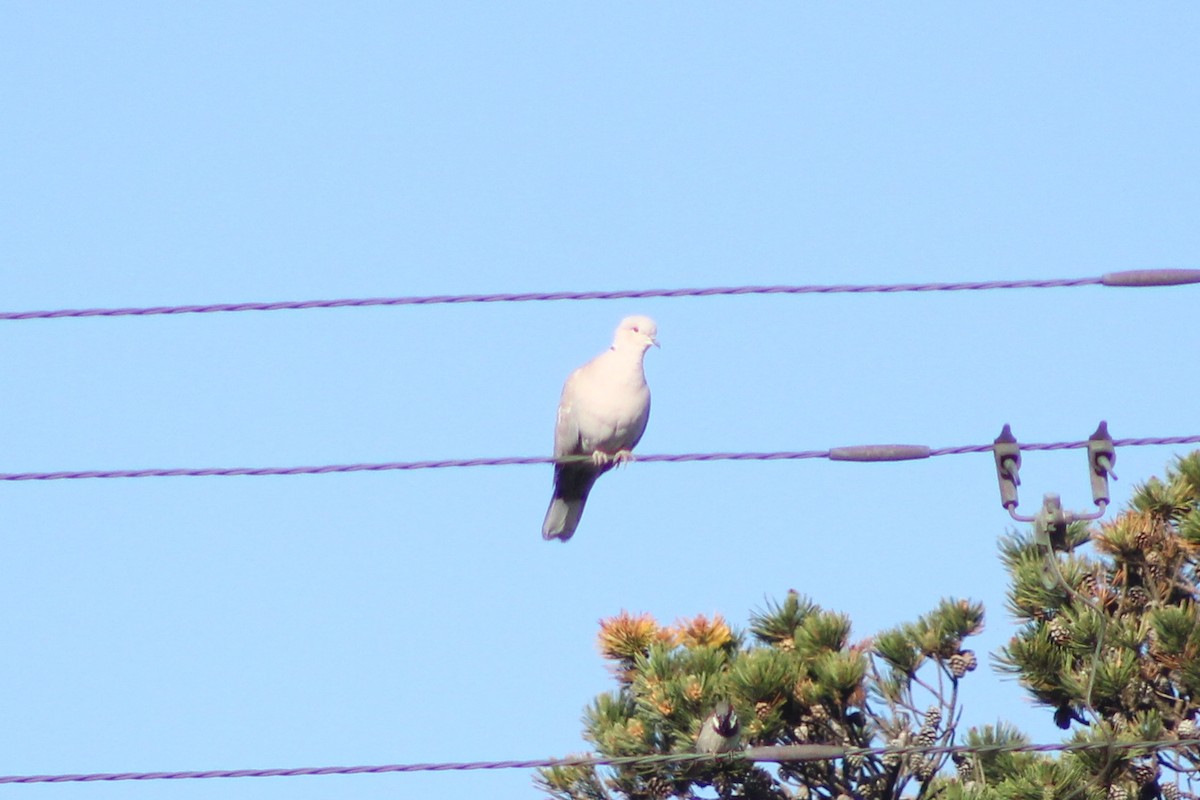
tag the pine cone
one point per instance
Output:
(933, 717)
(1118, 792)
(867, 791)
(1187, 730)
(1169, 791)
(659, 787)
(1144, 773)
(965, 765)
(762, 709)
(1145, 537)
(757, 783)
(892, 760)
(1058, 632)
(924, 768)
(929, 730)
(1138, 596)
(789, 774)
(963, 662)
(819, 713)
(1154, 566)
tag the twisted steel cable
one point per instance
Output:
(888, 452)
(783, 754)
(1128, 278)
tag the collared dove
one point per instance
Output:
(719, 731)
(602, 414)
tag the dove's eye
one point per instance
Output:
(635, 329)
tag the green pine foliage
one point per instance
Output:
(1108, 639)
(798, 678)
(1112, 644)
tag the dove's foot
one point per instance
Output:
(601, 459)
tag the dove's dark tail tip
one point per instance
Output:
(562, 518)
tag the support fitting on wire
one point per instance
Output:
(1102, 454)
(1051, 521)
(1008, 466)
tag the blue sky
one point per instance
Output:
(164, 154)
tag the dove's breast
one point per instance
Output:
(612, 409)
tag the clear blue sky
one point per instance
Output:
(163, 153)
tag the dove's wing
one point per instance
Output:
(572, 481)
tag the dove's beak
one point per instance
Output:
(650, 340)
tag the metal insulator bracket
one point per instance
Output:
(1008, 466)
(1051, 521)
(1102, 454)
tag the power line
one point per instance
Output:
(1143, 277)
(782, 754)
(878, 452)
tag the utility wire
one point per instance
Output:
(783, 754)
(1141, 277)
(876, 452)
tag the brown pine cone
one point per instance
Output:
(1144, 773)
(963, 662)
(1058, 632)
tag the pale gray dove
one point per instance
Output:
(602, 415)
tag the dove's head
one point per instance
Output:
(635, 333)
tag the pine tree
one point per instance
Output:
(1111, 641)
(1108, 641)
(795, 678)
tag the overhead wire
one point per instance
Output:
(770, 754)
(1130, 278)
(1126, 278)
(860, 453)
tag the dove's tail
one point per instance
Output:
(571, 486)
